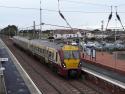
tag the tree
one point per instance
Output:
(10, 30)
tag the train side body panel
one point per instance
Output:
(51, 55)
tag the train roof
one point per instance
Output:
(21, 38)
(56, 44)
(47, 43)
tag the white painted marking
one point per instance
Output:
(104, 77)
(3, 59)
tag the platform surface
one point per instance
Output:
(115, 60)
(13, 81)
(110, 73)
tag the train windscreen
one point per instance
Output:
(71, 54)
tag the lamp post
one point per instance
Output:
(115, 42)
(40, 21)
(102, 34)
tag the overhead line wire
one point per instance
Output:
(62, 16)
(82, 2)
(19, 7)
(51, 9)
(54, 25)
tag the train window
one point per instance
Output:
(52, 55)
(49, 54)
(36, 48)
(33, 47)
(56, 56)
(39, 50)
(46, 52)
(43, 51)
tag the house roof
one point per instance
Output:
(69, 31)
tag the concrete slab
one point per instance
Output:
(13, 80)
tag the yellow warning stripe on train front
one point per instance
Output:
(70, 47)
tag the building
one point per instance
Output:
(66, 33)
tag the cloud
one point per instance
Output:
(90, 12)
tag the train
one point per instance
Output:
(65, 59)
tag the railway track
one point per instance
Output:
(83, 87)
(45, 79)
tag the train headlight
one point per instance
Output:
(64, 65)
(80, 64)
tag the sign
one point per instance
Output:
(3, 59)
(2, 69)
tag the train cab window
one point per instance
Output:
(67, 54)
(71, 54)
(75, 54)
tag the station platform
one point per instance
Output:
(2, 82)
(110, 76)
(16, 79)
(14, 83)
(114, 60)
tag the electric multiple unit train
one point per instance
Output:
(63, 58)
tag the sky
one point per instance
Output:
(86, 14)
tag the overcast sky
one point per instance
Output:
(81, 13)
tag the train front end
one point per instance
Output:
(71, 60)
